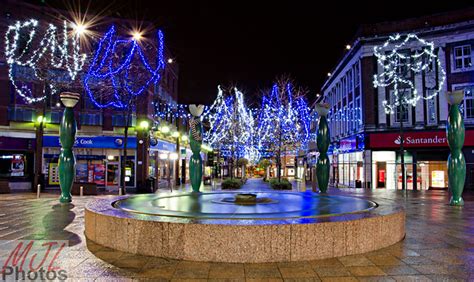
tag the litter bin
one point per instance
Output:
(358, 184)
(150, 183)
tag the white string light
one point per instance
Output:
(396, 64)
(62, 54)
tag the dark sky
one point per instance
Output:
(249, 43)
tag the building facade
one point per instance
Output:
(100, 138)
(365, 141)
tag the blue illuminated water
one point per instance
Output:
(208, 205)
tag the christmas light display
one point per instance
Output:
(23, 48)
(399, 63)
(122, 66)
(231, 127)
(283, 119)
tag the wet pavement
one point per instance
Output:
(439, 245)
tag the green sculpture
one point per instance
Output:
(67, 136)
(195, 140)
(322, 166)
(456, 162)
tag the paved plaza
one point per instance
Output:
(439, 245)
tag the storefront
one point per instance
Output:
(163, 158)
(98, 160)
(348, 162)
(17, 162)
(425, 159)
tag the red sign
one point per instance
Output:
(415, 139)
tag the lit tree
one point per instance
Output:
(231, 127)
(283, 121)
(119, 74)
(400, 65)
(47, 56)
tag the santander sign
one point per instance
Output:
(414, 139)
(409, 140)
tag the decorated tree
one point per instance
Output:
(231, 128)
(402, 58)
(44, 54)
(283, 121)
(119, 74)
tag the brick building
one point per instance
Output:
(365, 140)
(100, 131)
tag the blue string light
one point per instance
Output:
(105, 67)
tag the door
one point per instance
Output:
(112, 175)
(381, 174)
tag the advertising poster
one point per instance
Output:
(81, 173)
(53, 178)
(99, 174)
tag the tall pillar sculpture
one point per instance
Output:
(322, 165)
(195, 141)
(456, 162)
(67, 136)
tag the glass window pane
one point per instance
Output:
(458, 51)
(458, 63)
(467, 50)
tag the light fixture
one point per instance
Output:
(110, 157)
(175, 134)
(348, 47)
(40, 119)
(173, 156)
(184, 138)
(163, 156)
(165, 129)
(170, 60)
(329, 74)
(137, 35)
(79, 28)
(58, 104)
(144, 124)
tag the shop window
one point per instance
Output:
(399, 114)
(467, 107)
(431, 109)
(462, 57)
(356, 74)
(20, 114)
(91, 119)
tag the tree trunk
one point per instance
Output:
(124, 155)
(38, 177)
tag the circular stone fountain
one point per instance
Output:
(232, 227)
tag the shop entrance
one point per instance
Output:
(112, 175)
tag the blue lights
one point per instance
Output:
(120, 71)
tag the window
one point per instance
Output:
(358, 113)
(468, 103)
(356, 75)
(349, 80)
(398, 116)
(431, 112)
(351, 117)
(462, 57)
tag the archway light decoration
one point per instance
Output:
(23, 48)
(398, 65)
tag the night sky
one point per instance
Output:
(248, 43)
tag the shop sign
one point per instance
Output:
(11, 143)
(415, 139)
(348, 144)
(109, 142)
(164, 146)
